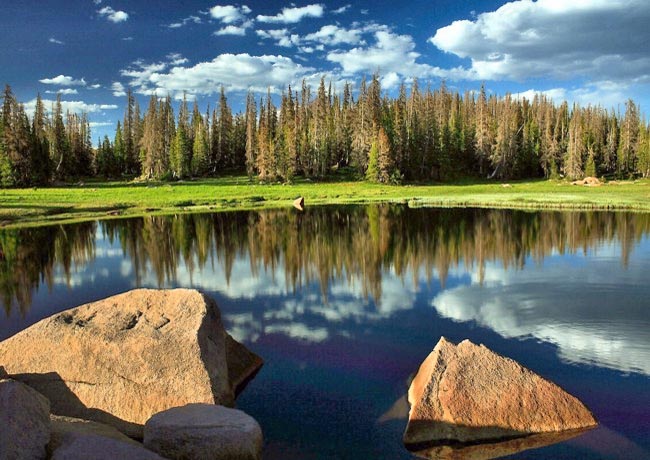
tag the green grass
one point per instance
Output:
(40, 206)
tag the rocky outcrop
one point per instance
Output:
(24, 422)
(202, 431)
(467, 394)
(122, 359)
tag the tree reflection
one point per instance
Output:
(30, 257)
(320, 245)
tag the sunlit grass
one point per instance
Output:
(91, 200)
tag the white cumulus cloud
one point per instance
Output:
(594, 40)
(233, 30)
(113, 15)
(333, 35)
(63, 80)
(118, 89)
(282, 37)
(64, 91)
(230, 14)
(392, 55)
(185, 21)
(294, 15)
(70, 106)
(342, 9)
(236, 72)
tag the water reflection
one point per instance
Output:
(569, 278)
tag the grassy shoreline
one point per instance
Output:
(101, 200)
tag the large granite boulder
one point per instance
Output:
(24, 422)
(467, 394)
(122, 359)
(202, 431)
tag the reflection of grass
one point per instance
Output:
(100, 199)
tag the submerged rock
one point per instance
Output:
(24, 422)
(203, 431)
(467, 394)
(122, 359)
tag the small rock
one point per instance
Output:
(467, 394)
(204, 431)
(24, 421)
(100, 448)
(66, 430)
(299, 203)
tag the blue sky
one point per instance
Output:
(90, 50)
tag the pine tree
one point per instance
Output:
(372, 171)
(251, 133)
(59, 147)
(180, 155)
(643, 150)
(200, 149)
(629, 136)
(573, 163)
(119, 154)
(40, 160)
(224, 133)
(385, 161)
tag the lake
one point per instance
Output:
(344, 303)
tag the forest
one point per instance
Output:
(422, 134)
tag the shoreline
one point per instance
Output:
(34, 207)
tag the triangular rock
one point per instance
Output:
(467, 394)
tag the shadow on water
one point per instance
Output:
(445, 450)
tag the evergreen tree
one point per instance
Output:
(119, 154)
(628, 141)
(41, 166)
(372, 171)
(200, 149)
(59, 147)
(251, 133)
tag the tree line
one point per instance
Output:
(419, 135)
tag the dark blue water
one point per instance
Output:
(344, 303)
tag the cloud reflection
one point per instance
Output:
(574, 305)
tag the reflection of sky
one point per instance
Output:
(587, 304)
(594, 310)
(305, 314)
